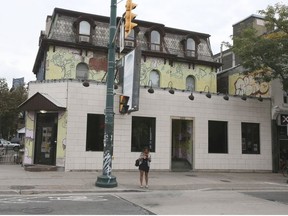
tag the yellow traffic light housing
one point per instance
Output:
(129, 17)
(123, 104)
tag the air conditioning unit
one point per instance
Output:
(129, 43)
(85, 39)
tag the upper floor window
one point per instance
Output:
(155, 40)
(190, 83)
(155, 78)
(190, 47)
(82, 71)
(84, 28)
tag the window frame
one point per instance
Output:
(87, 73)
(194, 83)
(212, 149)
(148, 35)
(84, 38)
(244, 140)
(152, 83)
(91, 134)
(152, 134)
(185, 46)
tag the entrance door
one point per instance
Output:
(46, 137)
(182, 144)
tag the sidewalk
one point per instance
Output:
(15, 180)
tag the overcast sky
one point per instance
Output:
(22, 20)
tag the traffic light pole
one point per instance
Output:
(106, 179)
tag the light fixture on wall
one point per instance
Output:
(191, 96)
(208, 94)
(244, 97)
(85, 83)
(260, 98)
(226, 97)
(171, 90)
(150, 90)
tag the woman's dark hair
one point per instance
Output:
(146, 147)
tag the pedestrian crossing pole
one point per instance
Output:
(107, 180)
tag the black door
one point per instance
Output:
(46, 138)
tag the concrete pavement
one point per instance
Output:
(15, 180)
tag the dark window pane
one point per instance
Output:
(95, 132)
(143, 133)
(250, 138)
(217, 137)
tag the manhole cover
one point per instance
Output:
(21, 187)
(37, 211)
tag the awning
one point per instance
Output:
(21, 131)
(41, 101)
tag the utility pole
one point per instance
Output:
(106, 179)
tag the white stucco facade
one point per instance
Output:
(163, 106)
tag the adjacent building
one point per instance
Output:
(185, 121)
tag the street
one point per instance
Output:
(169, 202)
(107, 204)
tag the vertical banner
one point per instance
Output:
(131, 78)
(122, 34)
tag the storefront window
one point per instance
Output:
(143, 133)
(218, 137)
(95, 132)
(250, 138)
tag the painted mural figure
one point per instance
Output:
(144, 166)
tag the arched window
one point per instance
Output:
(155, 78)
(84, 28)
(82, 71)
(190, 83)
(155, 40)
(190, 47)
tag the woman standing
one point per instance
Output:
(144, 165)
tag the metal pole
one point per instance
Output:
(106, 179)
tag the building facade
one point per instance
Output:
(185, 122)
(235, 79)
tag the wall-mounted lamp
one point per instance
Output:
(150, 90)
(244, 97)
(115, 86)
(191, 96)
(226, 97)
(208, 94)
(171, 90)
(260, 98)
(85, 83)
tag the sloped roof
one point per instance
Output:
(41, 101)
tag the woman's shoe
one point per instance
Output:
(147, 186)
(141, 186)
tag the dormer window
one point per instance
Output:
(155, 42)
(190, 48)
(84, 31)
(84, 27)
(155, 37)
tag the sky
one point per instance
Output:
(22, 20)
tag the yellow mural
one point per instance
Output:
(177, 74)
(61, 63)
(29, 138)
(240, 84)
(61, 135)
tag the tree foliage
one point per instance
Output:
(9, 111)
(266, 53)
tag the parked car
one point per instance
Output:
(8, 145)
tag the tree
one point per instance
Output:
(9, 111)
(268, 53)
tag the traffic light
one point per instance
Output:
(129, 17)
(123, 104)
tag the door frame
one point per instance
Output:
(53, 142)
(193, 138)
